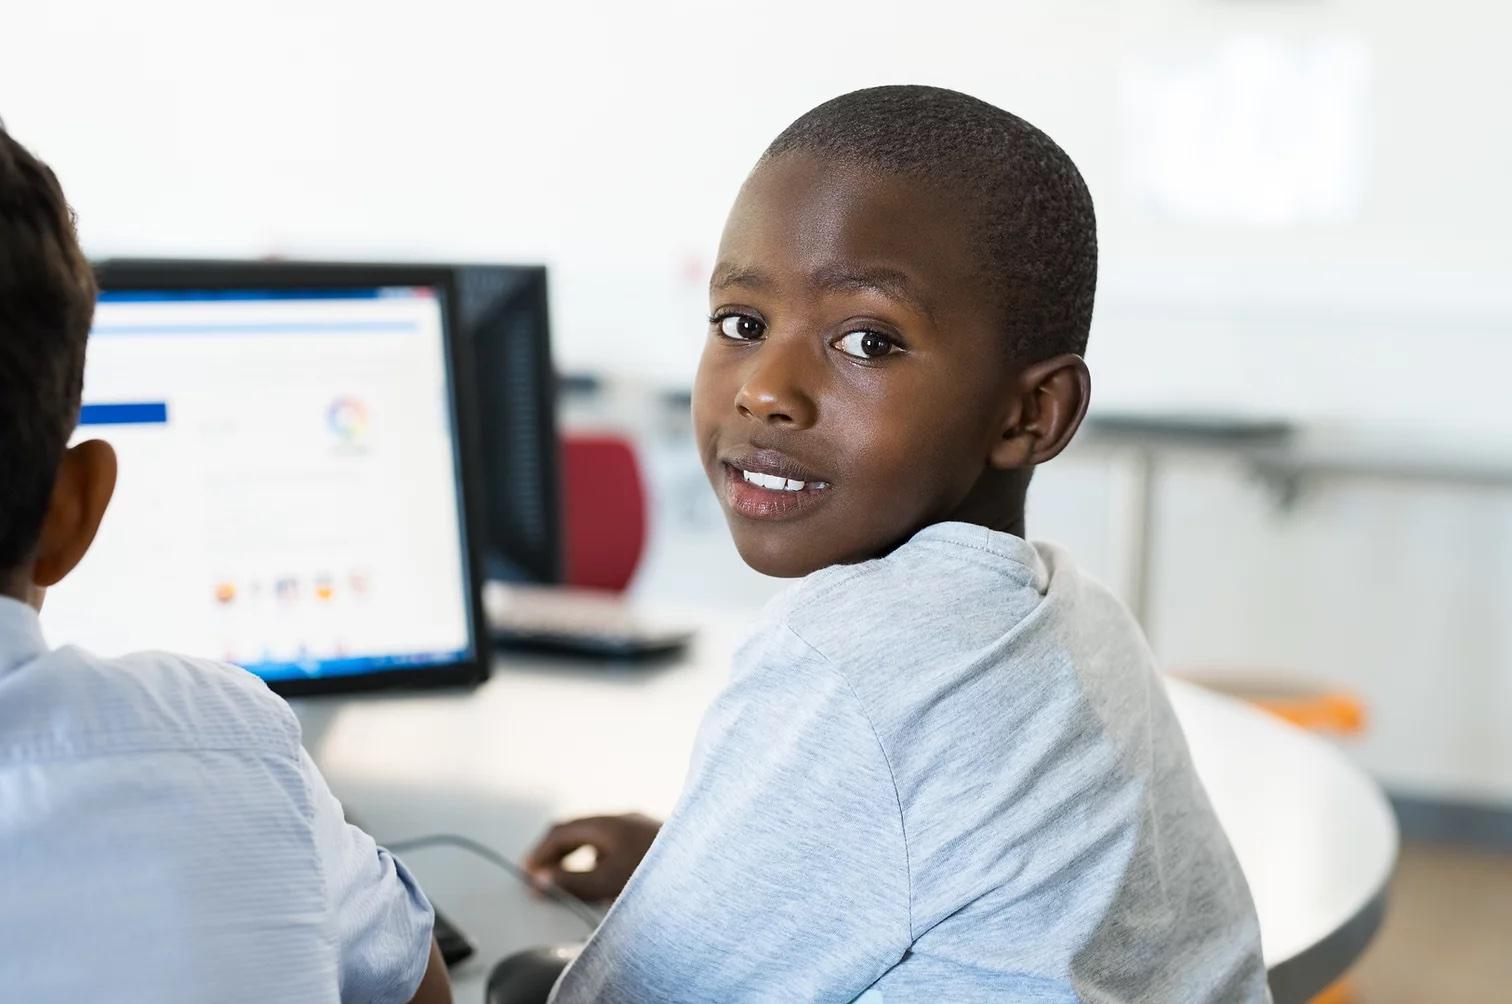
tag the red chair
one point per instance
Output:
(604, 517)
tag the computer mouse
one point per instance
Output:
(527, 977)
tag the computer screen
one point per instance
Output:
(290, 496)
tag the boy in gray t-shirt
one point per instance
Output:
(945, 768)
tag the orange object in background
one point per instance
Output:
(1337, 712)
(1339, 993)
(1308, 706)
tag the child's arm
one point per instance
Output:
(435, 985)
(783, 866)
(382, 922)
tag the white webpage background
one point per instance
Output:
(248, 528)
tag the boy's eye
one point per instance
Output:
(742, 327)
(866, 345)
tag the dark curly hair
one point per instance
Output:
(1035, 231)
(47, 299)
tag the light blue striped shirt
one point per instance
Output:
(164, 838)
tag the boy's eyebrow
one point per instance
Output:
(890, 282)
(729, 274)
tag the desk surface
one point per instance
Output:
(546, 739)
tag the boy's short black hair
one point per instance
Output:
(47, 298)
(1036, 233)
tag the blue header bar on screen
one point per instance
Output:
(334, 293)
(257, 328)
(116, 325)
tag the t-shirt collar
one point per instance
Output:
(1004, 545)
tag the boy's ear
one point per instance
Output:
(1049, 402)
(86, 480)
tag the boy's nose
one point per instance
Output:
(774, 391)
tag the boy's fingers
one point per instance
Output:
(591, 886)
(561, 840)
(619, 843)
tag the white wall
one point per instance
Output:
(1335, 243)
(608, 140)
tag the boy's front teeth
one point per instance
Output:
(773, 481)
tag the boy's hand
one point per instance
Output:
(618, 842)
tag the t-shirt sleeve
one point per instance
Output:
(381, 920)
(783, 870)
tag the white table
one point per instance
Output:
(546, 739)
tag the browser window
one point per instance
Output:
(288, 496)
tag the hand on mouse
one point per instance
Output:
(619, 843)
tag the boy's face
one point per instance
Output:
(851, 350)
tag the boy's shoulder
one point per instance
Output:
(946, 584)
(958, 615)
(71, 702)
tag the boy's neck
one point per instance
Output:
(997, 502)
(15, 586)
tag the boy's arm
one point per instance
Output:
(381, 920)
(435, 985)
(783, 866)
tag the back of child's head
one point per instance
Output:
(1035, 233)
(47, 297)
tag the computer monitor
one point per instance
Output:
(502, 313)
(295, 493)
(503, 321)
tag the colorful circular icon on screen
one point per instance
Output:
(347, 418)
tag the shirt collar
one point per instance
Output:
(20, 634)
(1005, 545)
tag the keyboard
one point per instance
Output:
(577, 621)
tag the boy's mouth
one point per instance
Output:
(765, 484)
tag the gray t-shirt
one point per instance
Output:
(949, 774)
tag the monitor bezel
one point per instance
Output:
(176, 274)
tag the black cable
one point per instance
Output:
(580, 909)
